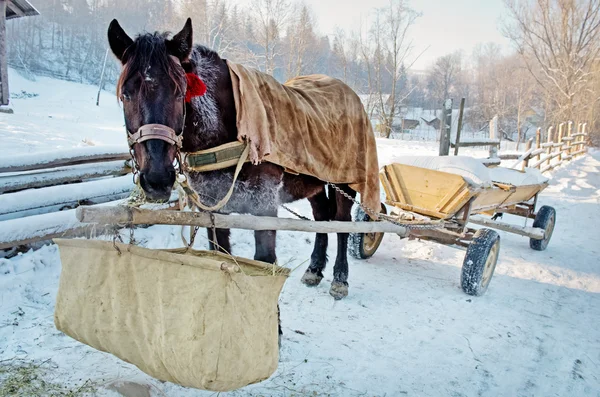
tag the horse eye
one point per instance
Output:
(180, 95)
(125, 97)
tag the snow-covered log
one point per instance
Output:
(62, 158)
(55, 198)
(13, 182)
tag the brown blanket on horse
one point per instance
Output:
(313, 125)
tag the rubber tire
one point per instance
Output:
(356, 241)
(471, 277)
(545, 218)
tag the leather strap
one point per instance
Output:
(155, 131)
(216, 158)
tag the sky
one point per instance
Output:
(445, 26)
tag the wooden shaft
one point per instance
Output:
(531, 232)
(125, 215)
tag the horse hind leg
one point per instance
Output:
(318, 259)
(339, 286)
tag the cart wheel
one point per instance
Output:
(364, 245)
(545, 219)
(480, 262)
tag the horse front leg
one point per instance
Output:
(222, 242)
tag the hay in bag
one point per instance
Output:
(198, 318)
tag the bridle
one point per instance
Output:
(163, 132)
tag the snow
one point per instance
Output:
(406, 327)
(473, 170)
(63, 115)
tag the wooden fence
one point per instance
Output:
(562, 144)
(39, 192)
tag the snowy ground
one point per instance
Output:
(405, 329)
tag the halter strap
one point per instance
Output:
(155, 131)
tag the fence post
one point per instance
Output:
(569, 133)
(446, 126)
(560, 136)
(538, 138)
(527, 148)
(493, 135)
(459, 126)
(549, 150)
(583, 138)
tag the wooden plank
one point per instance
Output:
(511, 156)
(531, 232)
(50, 199)
(425, 188)
(62, 175)
(579, 134)
(126, 215)
(34, 162)
(479, 143)
(491, 162)
(538, 163)
(4, 92)
(579, 152)
(567, 138)
(547, 145)
(418, 210)
(537, 152)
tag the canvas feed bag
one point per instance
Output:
(198, 318)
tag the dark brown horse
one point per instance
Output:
(152, 88)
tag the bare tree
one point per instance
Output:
(392, 49)
(559, 40)
(270, 18)
(300, 38)
(444, 76)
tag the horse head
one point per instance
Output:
(152, 88)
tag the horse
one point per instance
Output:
(152, 90)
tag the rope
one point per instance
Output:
(375, 215)
(195, 199)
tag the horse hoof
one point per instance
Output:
(311, 279)
(338, 290)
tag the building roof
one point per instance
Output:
(20, 8)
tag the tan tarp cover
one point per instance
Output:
(178, 317)
(314, 125)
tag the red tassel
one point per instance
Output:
(195, 86)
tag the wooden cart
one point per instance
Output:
(454, 192)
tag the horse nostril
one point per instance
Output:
(157, 182)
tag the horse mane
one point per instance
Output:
(149, 49)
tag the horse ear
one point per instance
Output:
(118, 40)
(180, 45)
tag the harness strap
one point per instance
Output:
(216, 158)
(195, 199)
(155, 131)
